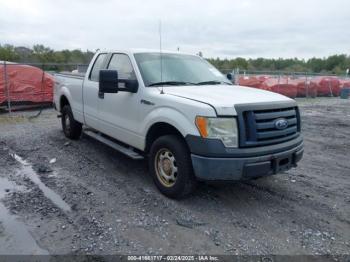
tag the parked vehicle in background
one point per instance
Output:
(182, 113)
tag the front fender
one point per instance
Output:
(172, 117)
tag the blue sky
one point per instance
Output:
(221, 28)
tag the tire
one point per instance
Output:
(71, 128)
(166, 152)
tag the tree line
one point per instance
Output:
(335, 64)
(41, 54)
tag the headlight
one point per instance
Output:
(220, 128)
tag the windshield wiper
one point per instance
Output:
(171, 83)
(213, 82)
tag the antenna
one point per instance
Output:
(160, 54)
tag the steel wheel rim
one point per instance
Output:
(166, 168)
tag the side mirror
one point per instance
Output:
(108, 81)
(229, 76)
(128, 85)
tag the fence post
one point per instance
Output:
(306, 85)
(330, 86)
(7, 87)
(42, 83)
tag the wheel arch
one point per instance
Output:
(63, 101)
(160, 129)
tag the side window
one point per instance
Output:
(95, 72)
(122, 64)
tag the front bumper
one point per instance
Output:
(247, 167)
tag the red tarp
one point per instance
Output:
(327, 86)
(250, 81)
(305, 87)
(293, 87)
(344, 83)
(26, 84)
(284, 86)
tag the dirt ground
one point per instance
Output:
(93, 200)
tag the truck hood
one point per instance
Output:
(224, 97)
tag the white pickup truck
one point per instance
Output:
(183, 114)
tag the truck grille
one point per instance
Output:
(258, 126)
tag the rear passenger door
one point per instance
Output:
(119, 112)
(90, 91)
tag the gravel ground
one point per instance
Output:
(92, 200)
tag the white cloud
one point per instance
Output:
(225, 28)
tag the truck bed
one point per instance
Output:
(70, 75)
(71, 84)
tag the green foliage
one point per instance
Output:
(8, 53)
(336, 64)
(43, 54)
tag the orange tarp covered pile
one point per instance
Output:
(252, 81)
(297, 87)
(282, 86)
(344, 83)
(327, 86)
(25, 84)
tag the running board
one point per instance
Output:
(122, 149)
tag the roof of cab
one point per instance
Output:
(141, 50)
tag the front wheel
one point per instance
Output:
(171, 166)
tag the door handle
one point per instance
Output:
(101, 95)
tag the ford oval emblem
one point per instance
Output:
(281, 123)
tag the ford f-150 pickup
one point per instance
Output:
(181, 113)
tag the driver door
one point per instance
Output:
(119, 112)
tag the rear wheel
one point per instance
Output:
(71, 128)
(171, 167)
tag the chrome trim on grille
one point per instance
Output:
(257, 123)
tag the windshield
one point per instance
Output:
(177, 69)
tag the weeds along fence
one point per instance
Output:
(28, 85)
(291, 84)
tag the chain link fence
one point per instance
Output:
(28, 85)
(292, 84)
